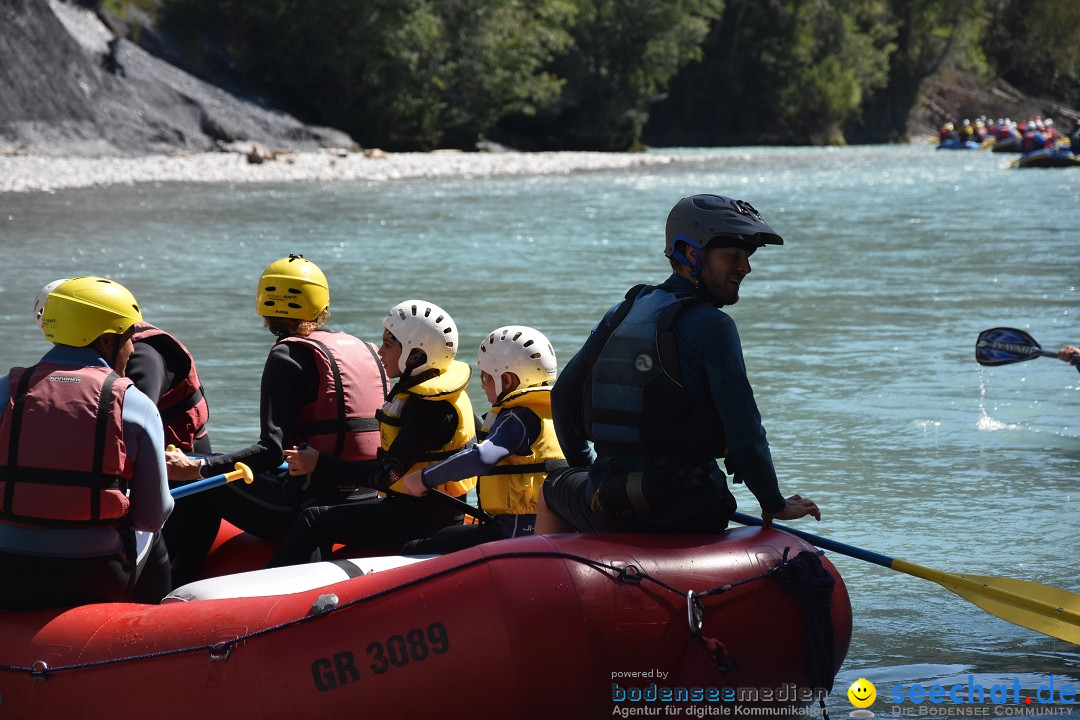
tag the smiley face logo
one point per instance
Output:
(862, 693)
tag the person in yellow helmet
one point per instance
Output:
(319, 387)
(164, 370)
(427, 417)
(81, 526)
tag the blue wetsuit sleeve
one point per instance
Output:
(144, 438)
(568, 400)
(511, 432)
(715, 339)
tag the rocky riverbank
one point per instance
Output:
(73, 87)
(29, 173)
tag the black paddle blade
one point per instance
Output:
(1001, 346)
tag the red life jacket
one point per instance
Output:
(352, 388)
(62, 455)
(183, 407)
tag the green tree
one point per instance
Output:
(624, 54)
(394, 73)
(778, 71)
(1035, 45)
(830, 55)
(926, 34)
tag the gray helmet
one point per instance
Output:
(703, 220)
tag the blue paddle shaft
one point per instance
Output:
(199, 486)
(824, 543)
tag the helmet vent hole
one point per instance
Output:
(447, 330)
(527, 343)
(295, 306)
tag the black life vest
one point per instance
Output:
(635, 402)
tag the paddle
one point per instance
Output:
(1042, 608)
(242, 471)
(1003, 346)
(463, 506)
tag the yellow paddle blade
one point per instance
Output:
(1048, 610)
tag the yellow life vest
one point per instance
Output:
(448, 386)
(513, 486)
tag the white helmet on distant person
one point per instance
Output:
(42, 296)
(520, 350)
(424, 326)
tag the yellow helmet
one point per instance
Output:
(80, 310)
(292, 288)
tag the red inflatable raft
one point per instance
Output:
(567, 626)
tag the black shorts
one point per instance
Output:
(566, 495)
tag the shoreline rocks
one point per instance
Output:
(254, 163)
(72, 87)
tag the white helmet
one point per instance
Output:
(520, 350)
(43, 294)
(420, 325)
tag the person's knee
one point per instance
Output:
(547, 522)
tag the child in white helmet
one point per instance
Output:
(518, 448)
(427, 417)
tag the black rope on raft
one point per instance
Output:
(222, 650)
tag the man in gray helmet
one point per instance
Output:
(660, 389)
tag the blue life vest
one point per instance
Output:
(636, 403)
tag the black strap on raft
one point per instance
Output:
(813, 584)
(805, 576)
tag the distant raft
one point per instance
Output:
(1048, 158)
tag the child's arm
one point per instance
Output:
(513, 431)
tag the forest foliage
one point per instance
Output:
(610, 74)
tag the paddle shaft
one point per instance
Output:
(1023, 350)
(824, 543)
(950, 581)
(240, 473)
(463, 506)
